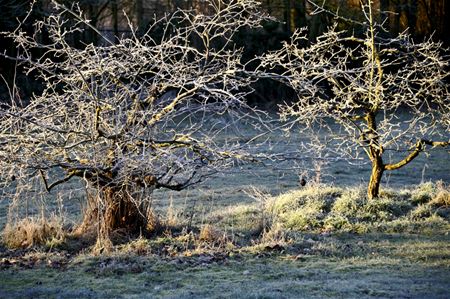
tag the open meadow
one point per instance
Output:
(256, 233)
(224, 149)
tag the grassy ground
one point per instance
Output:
(314, 242)
(374, 265)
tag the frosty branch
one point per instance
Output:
(367, 93)
(131, 116)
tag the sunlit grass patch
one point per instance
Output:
(34, 231)
(321, 208)
(324, 208)
(323, 195)
(267, 223)
(305, 208)
(244, 219)
(139, 246)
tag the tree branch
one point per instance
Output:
(419, 147)
(54, 184)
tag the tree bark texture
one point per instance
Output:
(375, 155)
(373, 189)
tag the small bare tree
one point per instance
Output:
(138, 114)
(367, 94)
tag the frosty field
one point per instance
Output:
(385, 258)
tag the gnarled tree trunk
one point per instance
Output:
(116, 208)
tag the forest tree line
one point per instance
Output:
(420, 18)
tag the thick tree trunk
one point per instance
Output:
(122, 212)
(111, 209)
(373, 189)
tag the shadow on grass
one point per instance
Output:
(318, 242)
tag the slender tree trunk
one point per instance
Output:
(373, 189)
(115, 19)
(384, 13)
(375, 153)
(295, 14)
(446, 22)
(140, 16)
(269, 6)
(92, 35)
(300, 16)
(394, 20)
(412, 16)
(287, 15)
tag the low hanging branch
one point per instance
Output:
(58, 182)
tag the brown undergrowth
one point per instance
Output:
(35, 231)
(273, 224)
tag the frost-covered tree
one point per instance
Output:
(138, 114)
(367, 94)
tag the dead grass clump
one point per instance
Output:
(103, 243)
(272, 239)
(274, 235)
(336, 221)
(420, 212)
(350, 203)
(384, 209)
(154, 223)
(294, 199)
(440, 203)
(437, 203)
(441, 199)
(354, 205)
(92, 230)
(308, 216)
(139, 246)
(211, 236)
(423, 193)
(426, 225)
(31, 231)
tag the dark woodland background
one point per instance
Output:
(421, 18)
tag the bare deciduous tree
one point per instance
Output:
(367, 94)
(130, 117)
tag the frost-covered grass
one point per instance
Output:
(314, 266)
(321, 208)
(318, 241)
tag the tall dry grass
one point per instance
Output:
(34, 231)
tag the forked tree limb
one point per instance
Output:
(56, 183)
